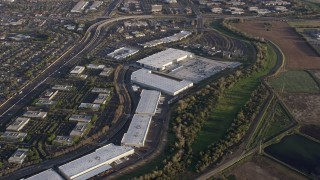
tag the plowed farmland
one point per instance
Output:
(298, 53)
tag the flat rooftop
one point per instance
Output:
(49, 174)
(102, 156)
(138, 130)
(164, 58)
(167, 85)
(148, 102)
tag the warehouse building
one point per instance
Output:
(18, 124)
(19, 156)
(94, 163)
(79, 7)
(35, 114)
(161, 60)
(49, 174)
(148, 102)
(139, 126)
(164, 84)
(138, 131)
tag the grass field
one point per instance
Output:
(275, 120)
(262, 168)
(229, 105)
(295, 82)
(302, 24)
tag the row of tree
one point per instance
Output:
(191, 113)
(236, 132)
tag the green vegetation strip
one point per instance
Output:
(295, 82)
(275, 120)
(229, 105)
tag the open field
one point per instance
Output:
(311, 130)
(262, 168)
(295, 82)
(229, 105)
(304, 107)
(297, 52)
(299, 152)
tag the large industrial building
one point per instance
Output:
(139, 126)
(138, 130)
(161, 60)
(95, 163)
(148, 102)
(49, 174)
(164, 84)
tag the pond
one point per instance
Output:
(298, 152)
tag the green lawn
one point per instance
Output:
(229, 105)
(295, 82)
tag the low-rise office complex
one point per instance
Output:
(155, 81)
(80, 118)
(77, 70)
(101, 99)
(62, 87)
(18, 124)
(35, 114)
(13, 136)
(64, 140)
(94, 163)
(79, 7)
(79, 129)
(19, 156)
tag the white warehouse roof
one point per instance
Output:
(91, 162)
(49, 174)
(166, 85)
(148, 102)
(164, 58)
(138, 130)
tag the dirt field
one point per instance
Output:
(263, 169)
(304, 107)
(298, 53)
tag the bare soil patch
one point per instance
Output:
(263, 168)
(299, 54)
(304, 107)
